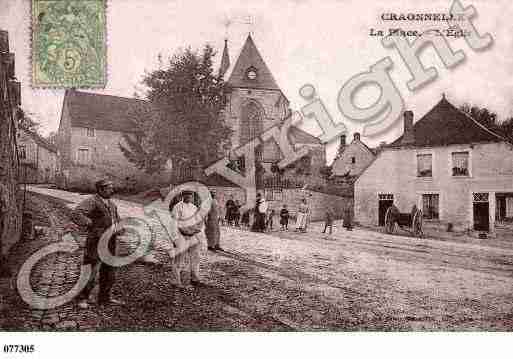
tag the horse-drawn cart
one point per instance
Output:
(409, 222)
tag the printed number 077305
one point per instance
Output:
(15, 348)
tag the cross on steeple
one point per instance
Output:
(227, 23)
(249, 21)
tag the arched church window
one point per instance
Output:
(252, 118)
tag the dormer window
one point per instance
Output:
(251, 73)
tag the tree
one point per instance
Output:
(482, 115)
(489, 119)
(507, 128)
(183, 121)
(326, 171)
(26, 121)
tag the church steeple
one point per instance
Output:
(250, 70)
(225, 60)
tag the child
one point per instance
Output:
(328, 220)
(236, 213)
(348, 220)
(284, 218)
(269, 224)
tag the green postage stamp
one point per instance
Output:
(69, 43)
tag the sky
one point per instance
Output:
(323, 43)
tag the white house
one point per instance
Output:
(453, 168)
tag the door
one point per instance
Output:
(384, 202)
(481, 217)
(481, 212)
(500, 212)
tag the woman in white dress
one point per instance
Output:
(302, 216)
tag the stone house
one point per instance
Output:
(90, 132)
(450, 166)
(352, 159)
(38, 157)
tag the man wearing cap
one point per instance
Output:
(96, 214)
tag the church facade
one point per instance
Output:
(257, 103)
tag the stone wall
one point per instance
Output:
(10, 196)
(317, 201)
(105, 161)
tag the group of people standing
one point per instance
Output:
(98, 213)
(264, 217)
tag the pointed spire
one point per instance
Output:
(250, 58)
(225, 60)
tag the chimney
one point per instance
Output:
(356, 136)
(342, 145)
(408, 135)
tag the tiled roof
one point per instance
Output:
(250, 57)
(298, 136)
(104, 112)
(40, 140)
(445, 125)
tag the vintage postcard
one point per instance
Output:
(248, 166)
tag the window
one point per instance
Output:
(83, 156)
(251, 125)
(90, 132)
(430, 203)
(353, 160)
(22, 151)
(460, 164)
(425, 165)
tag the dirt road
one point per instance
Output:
(359, 280)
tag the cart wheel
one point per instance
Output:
(417, 224)
(389, 221)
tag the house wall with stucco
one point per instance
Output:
(395, 172)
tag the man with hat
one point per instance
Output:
(96, 214)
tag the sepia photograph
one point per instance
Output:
(313, 170)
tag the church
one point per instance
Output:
(257, 103)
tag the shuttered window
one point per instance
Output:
(460, 164)
(83, 157)
(425, 165)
